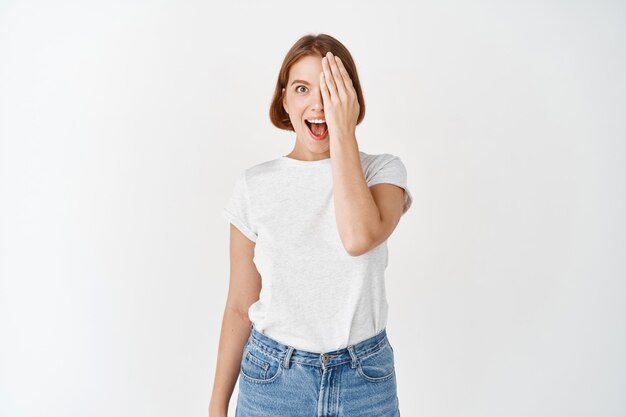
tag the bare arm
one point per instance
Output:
(365, 216)
(356, 211)
(244, 289)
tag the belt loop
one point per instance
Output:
(287, 357)
(355, 359)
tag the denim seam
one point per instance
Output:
(363, 355)
(380, 346)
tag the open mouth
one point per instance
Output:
(317, 130)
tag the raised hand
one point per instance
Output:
(341, 105)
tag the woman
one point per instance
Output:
(312, 226)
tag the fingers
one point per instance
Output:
(337, 77)
(324, 88)
(328, 76)
(346, 77)
(339, 82)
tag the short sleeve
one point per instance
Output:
(237, 210)
(391, 170)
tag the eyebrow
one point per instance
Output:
(299, 81)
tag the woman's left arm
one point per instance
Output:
(366, 216)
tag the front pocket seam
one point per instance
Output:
(262, 381)
(258, 361)
(264, 365)
(369, 355)
(379, 379)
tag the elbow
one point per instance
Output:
(355, 252)
(351, 250)
(364, 239)
(358, 247)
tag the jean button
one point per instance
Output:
(324, 358)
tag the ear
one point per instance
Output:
(285, 101)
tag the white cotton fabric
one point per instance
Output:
(314, 295)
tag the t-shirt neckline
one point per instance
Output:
(304, 163)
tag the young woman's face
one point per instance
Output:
(303, 101)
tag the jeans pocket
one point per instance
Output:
(378, 366)
(259, 366)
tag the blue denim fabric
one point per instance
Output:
(276, 380)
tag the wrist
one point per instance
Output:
(343, 136)
(217, 411)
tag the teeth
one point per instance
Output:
(316, 121)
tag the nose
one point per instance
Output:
(317, 103)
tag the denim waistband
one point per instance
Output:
(289, 354)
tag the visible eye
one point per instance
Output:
(299, 87)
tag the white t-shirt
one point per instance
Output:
(314, 296)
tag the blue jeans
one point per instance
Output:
(276, 380)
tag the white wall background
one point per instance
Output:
(124, 123)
